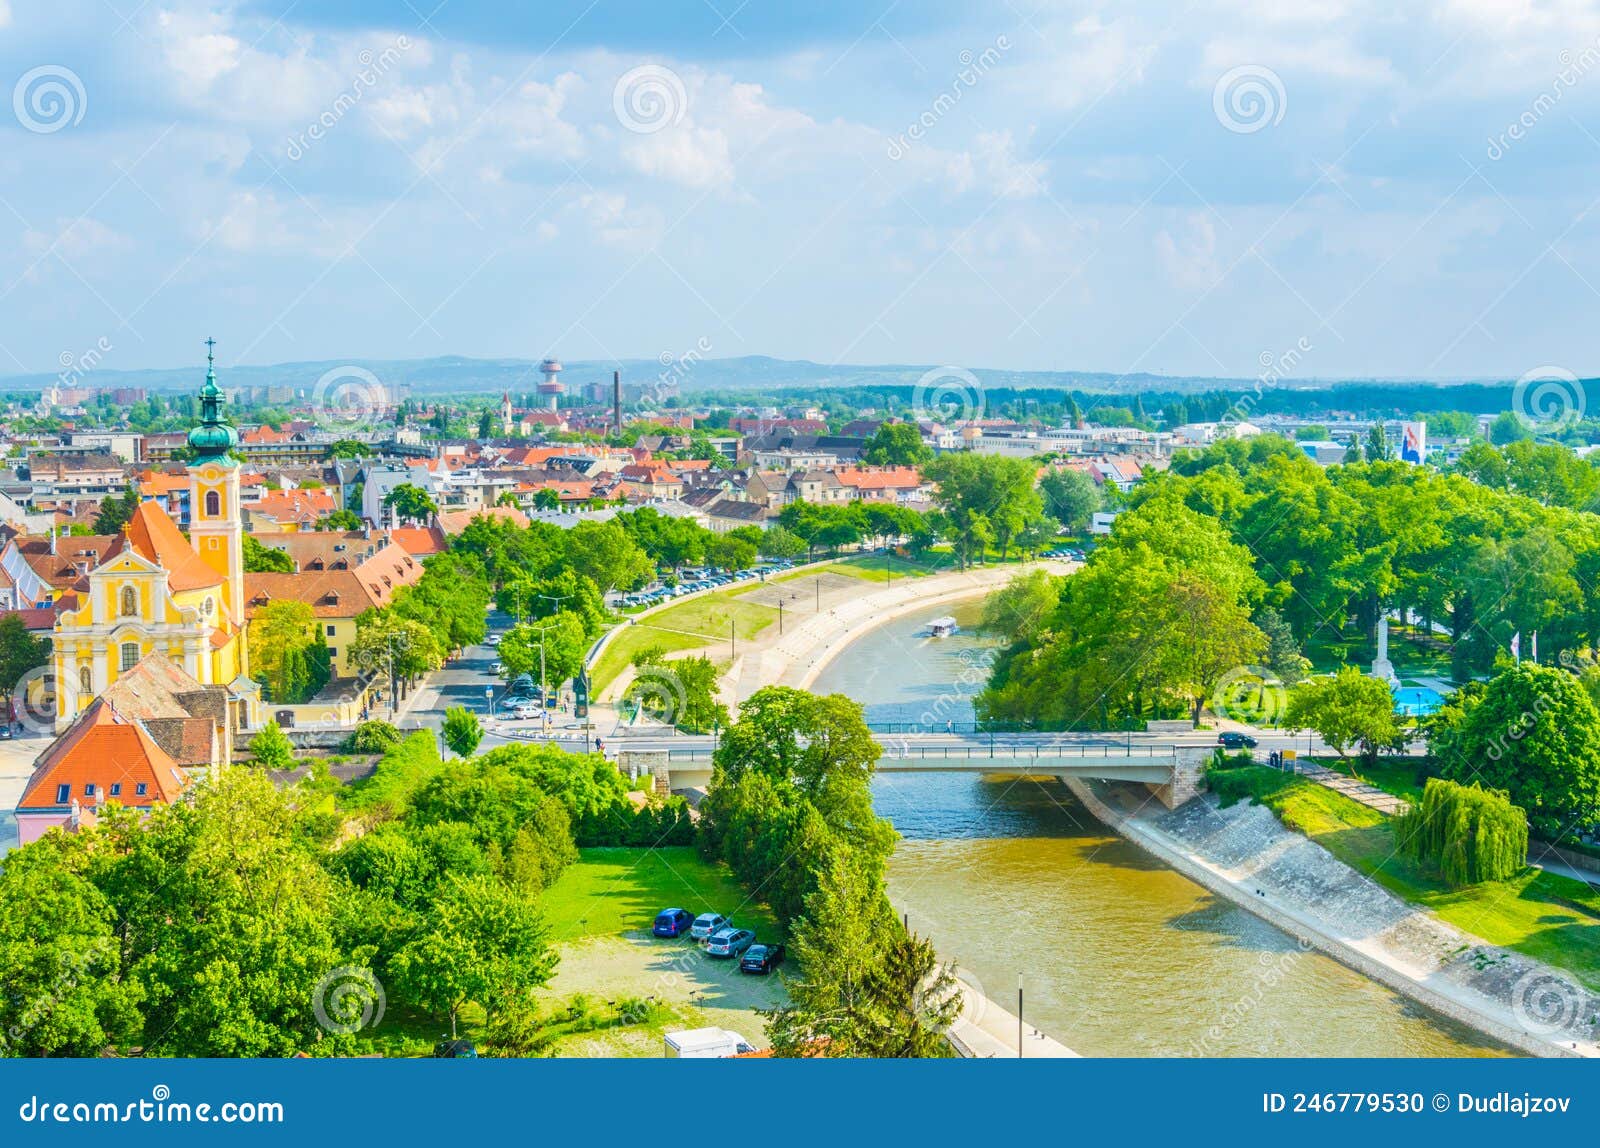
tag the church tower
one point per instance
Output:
(216, 523)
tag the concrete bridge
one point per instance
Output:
(1171, 770)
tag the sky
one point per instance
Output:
(1341, 189)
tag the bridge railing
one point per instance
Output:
(999, 751)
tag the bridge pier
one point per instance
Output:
(1188, 777)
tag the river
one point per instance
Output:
(1119, 955)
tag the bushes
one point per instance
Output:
(373, 737)
(1472, 834)
(272, 747)
(405, 768)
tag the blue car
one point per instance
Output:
(672, 923)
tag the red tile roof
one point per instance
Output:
(102, 749)
(155, 536)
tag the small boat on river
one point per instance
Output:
(942, 627)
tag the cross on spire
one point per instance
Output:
(210, 344)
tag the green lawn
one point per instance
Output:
(1549, 917)
(1412, 658)
(611, 891)
(1402, 776)
(689, 625)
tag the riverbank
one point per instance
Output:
(1245, 855)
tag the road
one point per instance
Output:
(463, 683)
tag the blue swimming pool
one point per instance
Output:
(1417, 701)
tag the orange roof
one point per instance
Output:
(102, 749)
(887, 478)
(418, 541)
(295, 505)
(158, 482)
(154, 535)
(263, 434)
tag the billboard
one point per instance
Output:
(1413, 442)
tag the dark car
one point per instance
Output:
(672, 923)
(1233, 739)
(455, 1050)
(761, 959)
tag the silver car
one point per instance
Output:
(729, 942)
(706, 924)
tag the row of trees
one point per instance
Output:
(790, 811)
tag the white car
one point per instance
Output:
(493, 639)
(498, 668)
(526, 711)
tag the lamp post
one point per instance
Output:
(780, 617)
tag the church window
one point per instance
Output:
(213, 504)
(130, 655)
(130, 602)
(210, 606)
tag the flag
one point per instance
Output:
(1516, 645)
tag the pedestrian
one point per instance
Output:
(949, 727)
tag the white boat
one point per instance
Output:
(942, 627)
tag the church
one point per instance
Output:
(155, 591)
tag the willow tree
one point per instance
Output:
(1470, 833)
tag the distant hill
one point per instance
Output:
(456, 374)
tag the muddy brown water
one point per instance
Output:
(1118, 954)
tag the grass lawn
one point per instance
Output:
(1411, 658)
(612, 891)
(1402, 776)
(1549, 917)
(689, 625)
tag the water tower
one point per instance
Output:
(552, 388)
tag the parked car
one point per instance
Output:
(729, 942)
(527, 710)
(456, 1050)
(672, 923)
(761, 958)
(1233, 739)
(706, 924)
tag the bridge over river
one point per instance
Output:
(1170, 765)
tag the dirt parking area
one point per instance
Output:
(700, 991)
(800, 594)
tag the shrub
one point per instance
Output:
(272, 747)
(404, 769)
(373, 737)
(1470, 833)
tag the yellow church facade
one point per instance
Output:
(156, 591)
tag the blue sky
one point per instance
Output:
(1188, 189)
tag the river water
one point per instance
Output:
(1118, 954)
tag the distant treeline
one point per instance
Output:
(1370, 400)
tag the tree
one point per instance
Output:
(608, 553)
(341, 520)
(535, 598)
(462, 730)
(681, 692)
(1072, 497)
(1211, 635)
(1377, 449)
(349, 448)
(290, 652)
(20, 651)
(116, 511)
(727, 552)
(897, 444)
(546, 498)
(483, 942)
(410, 503)
(1347, 710)
(1508, 427)
(1469, 833)
(776, 542)
(985, 497)
(486, 423)
(259, 559)
(1020, 610)
(272, 748)
(1533, 732)
(564, 642)
(1283, 656)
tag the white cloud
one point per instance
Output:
(1190, 259)
(76, 239)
